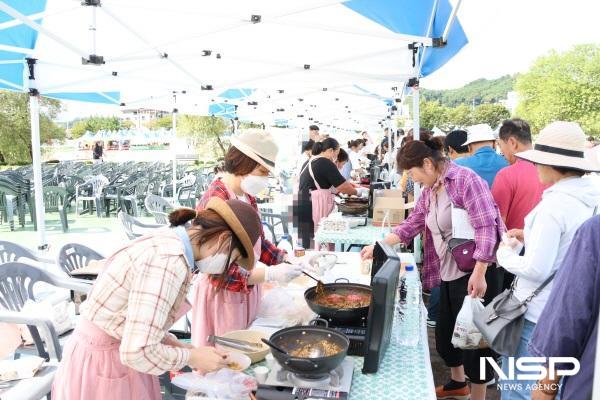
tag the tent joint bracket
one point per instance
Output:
(93, 59)
(91, 3)
(438, 42)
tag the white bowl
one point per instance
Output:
(241, 359)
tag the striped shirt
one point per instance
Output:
(470, 192)
(136, 298)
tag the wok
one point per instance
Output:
(291, 339)
(338, 314)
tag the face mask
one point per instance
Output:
(253, 184)
(213, 265)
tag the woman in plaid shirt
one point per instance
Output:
(228, 303)
(122, 343)
(446, 184)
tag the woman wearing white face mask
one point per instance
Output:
(122, 344)
(231, 303)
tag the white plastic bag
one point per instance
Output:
(466, 336)
(224, 384)
(285, 304)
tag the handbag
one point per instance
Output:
(462, 251)
(501, 321)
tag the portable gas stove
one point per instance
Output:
(356, 331)
(284, 385)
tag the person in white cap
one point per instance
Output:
(230, 302)
(572, 199)
(483, 160)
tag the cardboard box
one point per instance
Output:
(391, 202)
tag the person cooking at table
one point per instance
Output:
(319, 179)
(121, 343)
(230, 302)
(446, 184)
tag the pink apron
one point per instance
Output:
(322, 201)
(216, 312)
(91, 369)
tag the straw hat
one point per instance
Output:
(479, 133)
(560, 144)
(243, 221)
(259, 146)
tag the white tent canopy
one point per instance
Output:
(135, 53)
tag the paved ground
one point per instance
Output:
(441, 374)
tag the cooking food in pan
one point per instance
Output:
(322, 348)
(343, 299)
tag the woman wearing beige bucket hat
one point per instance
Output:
(121, 343)
(231, 302)
(549, 229)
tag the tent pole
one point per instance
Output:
(174, 152)
(451, 21)
(416, 136)
(37, 27)
(34, 113)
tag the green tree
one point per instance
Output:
(458, 117)
(15, 126)
(206, 132)
(164, 122)
(473, 93)
(563, 86)
(491, 114)
(432, 113)
(95, 124)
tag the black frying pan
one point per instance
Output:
(338, 314)
(290, 339)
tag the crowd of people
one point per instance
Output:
(532, 209)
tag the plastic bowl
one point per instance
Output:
(249, 336)
(241, 359)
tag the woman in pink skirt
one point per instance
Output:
(122, 343)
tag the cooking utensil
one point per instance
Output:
(252, 336)
(312, 277)
(338, 314)
(274, 346)
(296, 337)
(234, 343)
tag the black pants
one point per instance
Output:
(302, 211)
(452, 295)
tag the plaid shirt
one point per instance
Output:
(468, 191)
(237, 277)
(136, 298)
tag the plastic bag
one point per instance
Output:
(466, 336)
(285, 304)
(224, 384)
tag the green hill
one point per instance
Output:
(479, 91)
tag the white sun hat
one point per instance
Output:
(479, 133)
(259, 145)
(561, 144)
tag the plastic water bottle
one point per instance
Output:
(399, 310)
(410, 328)
(285, 244)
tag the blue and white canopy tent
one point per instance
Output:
(128, 52)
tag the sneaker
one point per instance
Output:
(454, 394)
(491, 382)
(431, 323)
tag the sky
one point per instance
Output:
(506, 36)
